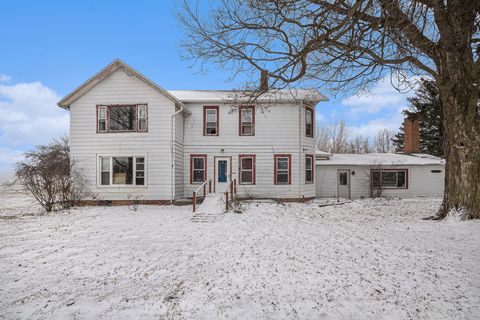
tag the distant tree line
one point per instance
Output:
(337, 138)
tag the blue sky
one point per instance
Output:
(48, 48)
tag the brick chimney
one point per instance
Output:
(411, 138)
(264, 81)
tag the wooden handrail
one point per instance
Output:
(232, 186)
(204, 186)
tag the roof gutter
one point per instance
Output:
(172, 153)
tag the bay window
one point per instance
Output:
(246, 168)
(120, 171)
(390, 178)
(122, 118)
(282, 170)
(247, 120)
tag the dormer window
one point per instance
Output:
(210, 121)
(122, 118)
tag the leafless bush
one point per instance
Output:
(375, 182)
(134, 201)
(51, 176)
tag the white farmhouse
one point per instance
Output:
(135, 139)
(132, 137)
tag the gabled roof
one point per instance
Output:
(104, 73)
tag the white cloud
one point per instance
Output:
(5, 78)
(8, 157)
(392, 121)
(382, 97)
(28, 116)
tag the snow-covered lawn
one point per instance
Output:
(370, 259)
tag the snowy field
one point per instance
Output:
(370, 259)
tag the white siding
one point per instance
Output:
(421, 181)
(179, 156)
(277, 131)
(87, 145)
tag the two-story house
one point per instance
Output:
(132, 137)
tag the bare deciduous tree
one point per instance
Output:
(354, 42)
(383, 141)
(51, 176)
(337, 139)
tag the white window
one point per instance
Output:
(308, 168)
(308, 122)
(102, 118)
(390, 178)
(105, 171)
(282, 169)
(247, 169)
(198, 168)
(122, 118)
(247, 121)
(140, 171)
(122, 171)
(210, 121)
(142, 117)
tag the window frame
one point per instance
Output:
(312, 159)
(309, 110)
(254, 169)
(98, 118)
(108, 107)
(217, 109)
(205, 166)
(390, 170)
(134, 171)
(144, 118)
(240, 122)
(275, 167)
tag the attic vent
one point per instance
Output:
(435, 171)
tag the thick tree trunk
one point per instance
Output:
(458, 81)
(459, 92)
(462, 153)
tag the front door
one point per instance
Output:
(222, 174)
(343, 183)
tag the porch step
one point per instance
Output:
(211, 209)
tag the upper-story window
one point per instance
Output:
(247, 120)
(122, 118)
(308, 122)
(210, 121)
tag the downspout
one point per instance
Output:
(172, 151)
(300, 150)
